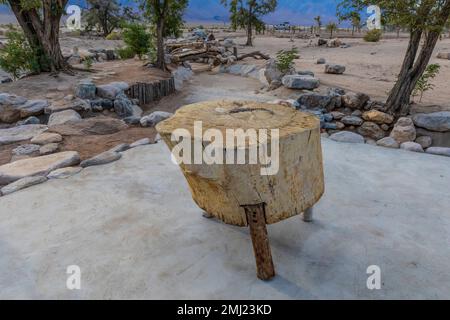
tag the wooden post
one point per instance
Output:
(235, 52)
(256, 219)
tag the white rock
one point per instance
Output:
(412, 146)
(22, 184)
(37, 166)
(20, 133)
(388, 142)
(347, 137)
(63, 117)
(439, 151)
(46, 138)
(155, 118)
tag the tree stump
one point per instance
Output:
(245, 193)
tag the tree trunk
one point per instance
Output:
(160, 62)
(399, 99)
(42, 33)
(249, 35)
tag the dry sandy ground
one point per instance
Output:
(372, 68)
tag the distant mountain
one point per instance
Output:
(301, 12)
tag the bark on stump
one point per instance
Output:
(231, 192)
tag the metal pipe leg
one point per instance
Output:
(308, 215)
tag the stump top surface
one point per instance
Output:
(226, 114)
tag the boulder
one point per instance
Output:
(321, 61)
(352, 121)
(105, 104)
(229, 43)
(25, 149)
(86, 89)
(444, 55)
(63, 117)
(29, 120)
(101, 159)
(337, 115)
(9, 114)
(301, 82)
(132, 120)
(378, 117)
(156, 117)
(412, 146)
(22, 184)
(11, 99)
(33, 108)
(334, 69)
(354, 100)
(404, 131)
(121, 147)
(322, 42)
(37, 166)
(439, 151)
(388, 142)
(319, 101)
(371, 130)
(273, 73)
(306, 73)
(92, 126)
(437, 121)
(5, 79)
(347, 137)
(334, 43)
(112, 90)
(123, 107)
(64, 173)
(46, 138)
(425, 141)
(20, 133)
(48, 149)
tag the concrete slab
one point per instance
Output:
(134, 231)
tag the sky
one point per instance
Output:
(299, 12)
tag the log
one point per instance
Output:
(254, 54)
(222, 189)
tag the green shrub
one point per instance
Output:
(423, 84)
(88, 62)
(114, 36)
(137, 38)
(17, 57)
(285, 59)
(373, 35)
(126, 53)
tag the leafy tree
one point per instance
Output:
(425, 19)
(423, 84)
(39, 20)
(104, 14)
(137, 38)
(318, 21)
(331, 27)
(167, 19)
(247, 14)
(356, 22)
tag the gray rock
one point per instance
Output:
(46, 138)
(132, 120)
(120, 148)
(139, 143)
(29, 120)
(37, 166)
(5, 79)
(347, 137)
(22, 184)
(272, 72)
(106, 104)
(388, 142)
(306, 73)
(425, 141)
(319, 101)
(404, 131)
(20, 133)
(334, 69)
(86, 89)
(77, 104)
(112, 90)
(329, 126)
(181, 75)
(156, 117)
(444, 55)
(321, 61)
(26, 149)
(229, 43)
(352, 121)
(354, 100)
(300, 82)
(63, 117)
(438, 121)
(101, 159)
(124, 107)
(337, 115)
(11, 99)
(48, 149)
(439, 151)
(64, 173)
(275, 84)
(412, 146)
(33, 108)
(371, 130)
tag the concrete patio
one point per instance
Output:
(135, 232)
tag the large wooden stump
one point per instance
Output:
(229, 191)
